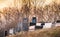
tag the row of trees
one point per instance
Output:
(12, 15)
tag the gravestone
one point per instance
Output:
(47, 25)
(18, 27)
(31, 28)
(42, 23)
(6, 33)
(31, 24)
(39, 27)
(34, 20)
(58, 21)
(11, 31)
(38, 24)
(25, 24)
(2, 34)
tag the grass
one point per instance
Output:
(53, 32)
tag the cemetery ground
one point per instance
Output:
(52, 32)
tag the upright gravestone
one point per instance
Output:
(25, 24)
(19, 26)
(32, 24)
(34, 20)
(11, 31)
(2, 33)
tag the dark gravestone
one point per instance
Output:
(31, 24)
(25, 24)
(2, 34)
(25, 27)
(34, 20)
(6, 32)
(42, 23)
(25, 20)
(15, 30)
(19, 26)
(39, 27)
(58, 21)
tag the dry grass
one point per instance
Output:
(54, 32)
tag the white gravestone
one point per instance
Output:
(31, 28)
(38, 24)
(11, 31)
(47, 25)
(57, 24)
